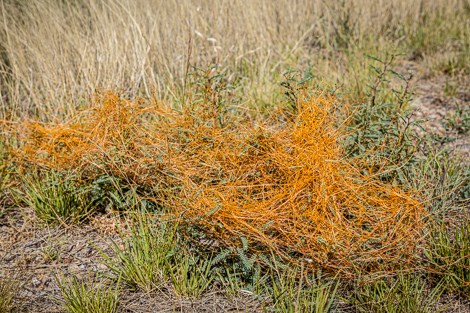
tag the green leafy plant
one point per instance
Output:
(56, 198)
(214, 94)
(404, 294)
(109, 192)
(381, 129)
(81, 297)
(234, 281)
(238, 269)
(448, 254)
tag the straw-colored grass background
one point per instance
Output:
(55, 53)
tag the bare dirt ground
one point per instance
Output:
(35, 254)
(437, 102)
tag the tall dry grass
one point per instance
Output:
(55, 53)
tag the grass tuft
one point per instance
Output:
(405, 294)
(448, 254)
(143, 262)
(293, 295)
(9, 288)
(190, 276)
(153, 258)
(55, 198)
(80, 297)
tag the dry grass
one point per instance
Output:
(288, 188)
(54, 53)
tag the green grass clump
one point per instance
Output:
(405, 294)
(443, 181)
(143, 262)
(153, 258)
(51, 251)
(459, 120)
(293, 295)
(79, 297)
(190, 276)
(449, 256)
(55, 198)
(8, 290)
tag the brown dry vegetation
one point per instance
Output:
(290, 189)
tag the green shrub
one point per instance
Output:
(381, 130)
